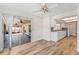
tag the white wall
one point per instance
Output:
(73, 28)
(46, 28)
(53, 22)
(40, 28)
(36, 27)
(1, 35)
(78, 30)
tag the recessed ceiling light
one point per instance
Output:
(70, 18)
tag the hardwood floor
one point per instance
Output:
(66, 46)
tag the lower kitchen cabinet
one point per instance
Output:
(17, 39)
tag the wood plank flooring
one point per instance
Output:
(66, 46)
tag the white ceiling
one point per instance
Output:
(28, 9)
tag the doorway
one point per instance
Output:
(21, 32)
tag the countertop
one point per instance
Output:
(57, 30)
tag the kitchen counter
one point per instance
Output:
(57, 35)
(17, 39)
(57, 30)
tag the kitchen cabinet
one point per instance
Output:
(17, 39)
(57, 35)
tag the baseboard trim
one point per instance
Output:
(61, 39)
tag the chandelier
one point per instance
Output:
(44, 8)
